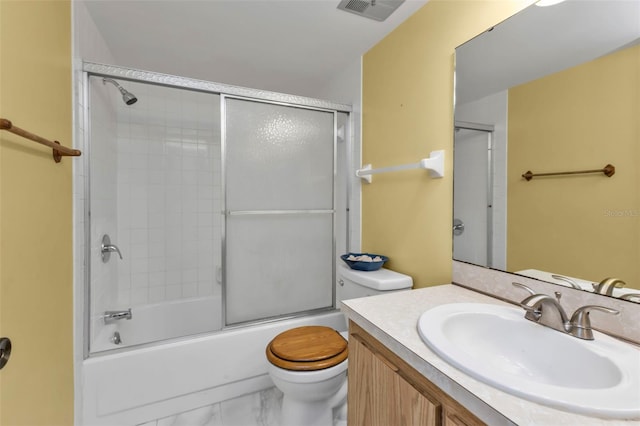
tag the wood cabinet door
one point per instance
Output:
(379, 396)
(451, 419)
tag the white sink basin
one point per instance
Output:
(496, 345)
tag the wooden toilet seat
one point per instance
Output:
(307, 348)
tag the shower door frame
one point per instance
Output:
(224, 91)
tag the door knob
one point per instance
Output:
(458, 227)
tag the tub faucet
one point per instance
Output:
(113, 316)
(546, 310)
(116, 339)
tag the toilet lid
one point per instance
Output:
(307, 348)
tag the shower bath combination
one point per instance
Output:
(157, 179)
(128, 97)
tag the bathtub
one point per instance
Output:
(162, 321)
(137, 385)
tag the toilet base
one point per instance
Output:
(313, 413)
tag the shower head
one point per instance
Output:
(128, 97)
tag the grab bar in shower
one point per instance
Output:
(434, 164)
(58, 150)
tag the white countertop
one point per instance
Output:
(393, 318)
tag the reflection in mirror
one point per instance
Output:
(552, 89)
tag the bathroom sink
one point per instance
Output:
(496, 345)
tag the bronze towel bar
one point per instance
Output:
(608, 171)
(58, 150)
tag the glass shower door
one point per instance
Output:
(279, 233)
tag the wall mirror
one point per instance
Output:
(552, 89)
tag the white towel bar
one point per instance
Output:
(434, 164)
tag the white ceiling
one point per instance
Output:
(543, 40)
(290, 46)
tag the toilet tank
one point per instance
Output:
(353, 284)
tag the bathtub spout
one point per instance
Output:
(112, 316)
(116, 339)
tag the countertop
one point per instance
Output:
(393, 318)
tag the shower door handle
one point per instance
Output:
(107, 248)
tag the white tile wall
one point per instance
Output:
(169, 195)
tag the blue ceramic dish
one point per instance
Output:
(364, 266)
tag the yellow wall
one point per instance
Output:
(407, 113)
(36, 309)
(579, 119)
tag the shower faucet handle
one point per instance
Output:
(107, 248)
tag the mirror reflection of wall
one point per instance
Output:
(585, 226)
(578, 117)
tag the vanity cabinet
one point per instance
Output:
(384, 390)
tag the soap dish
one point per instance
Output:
(355, 261)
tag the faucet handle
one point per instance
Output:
(524, 287)
(567, 280)
(581, 323)
(107, 248)
(607, 285)
(630, 296)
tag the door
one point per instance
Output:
(280, 214)
(471, 197)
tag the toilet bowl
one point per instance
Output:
(309, 364)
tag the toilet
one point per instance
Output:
(309, 364)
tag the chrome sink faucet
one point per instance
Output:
(546, 310)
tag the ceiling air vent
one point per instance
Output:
(357, 6)
(372, 9)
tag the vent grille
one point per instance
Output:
(372, 9)
(357, 5)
